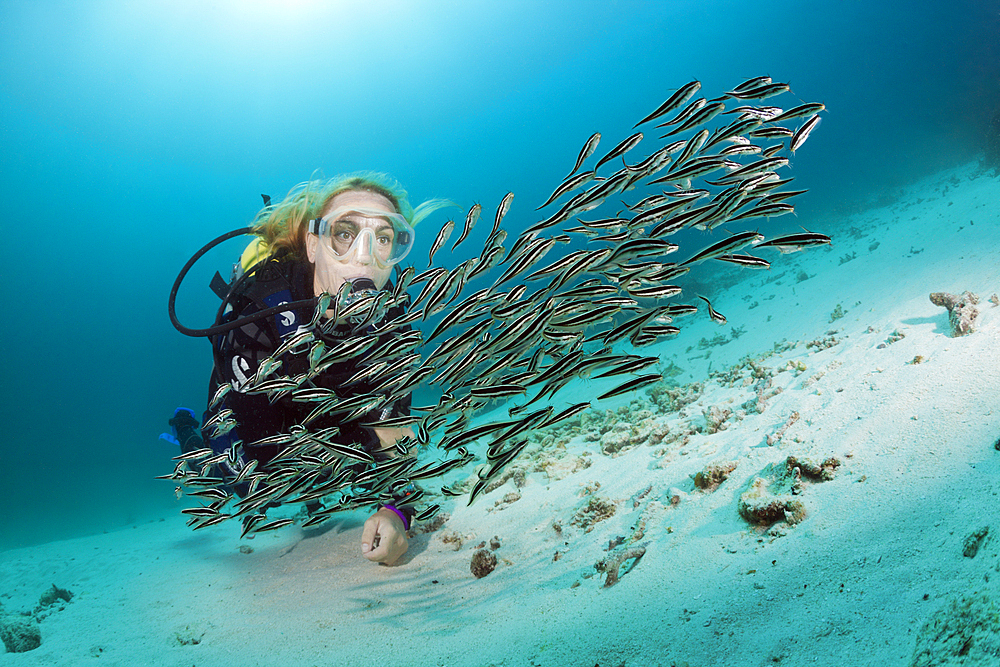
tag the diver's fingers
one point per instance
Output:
(377, 554)
(370, 542)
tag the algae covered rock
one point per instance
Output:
(20, 633)
(820, 471)
(483, 562)
(772, 496)
(621, 437)
(714, 474)
(763, 505)
(970, 547)
(962, 311)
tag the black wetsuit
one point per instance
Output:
(239, 352)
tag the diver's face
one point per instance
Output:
(332, 272)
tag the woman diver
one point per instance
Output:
(338, 238)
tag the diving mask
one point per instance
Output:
(364, 235)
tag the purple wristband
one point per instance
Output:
(406, 524)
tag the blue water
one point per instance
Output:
(132, 133)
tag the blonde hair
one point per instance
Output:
(283, 226)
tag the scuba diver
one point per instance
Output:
(342, 237)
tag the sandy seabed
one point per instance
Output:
(872, 568)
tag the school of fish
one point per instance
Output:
(532, 327)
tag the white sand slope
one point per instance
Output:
(879, 552)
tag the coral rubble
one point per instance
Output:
(764, 391)
(770, 496)
(715, 418)
(762, 504)
(894, 337)
(612, 563)
(671, 399)
(777, 435)
(54, 594)
(452, 538)
(622, 436)
(820, 344)
(506, 501)
(822, 471)
(962, 311)
(437, 523)
(596, 509)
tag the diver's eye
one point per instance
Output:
(385, 239)
(343, 235)
(341, 242)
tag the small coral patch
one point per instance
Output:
(822, 471)
(714, 474)
(760, 505)
(771, 496)
(596, 509)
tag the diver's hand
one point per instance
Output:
(383, 539)
(388, 436)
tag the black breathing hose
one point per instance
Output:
(228, 326)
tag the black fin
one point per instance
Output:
(267, 199)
